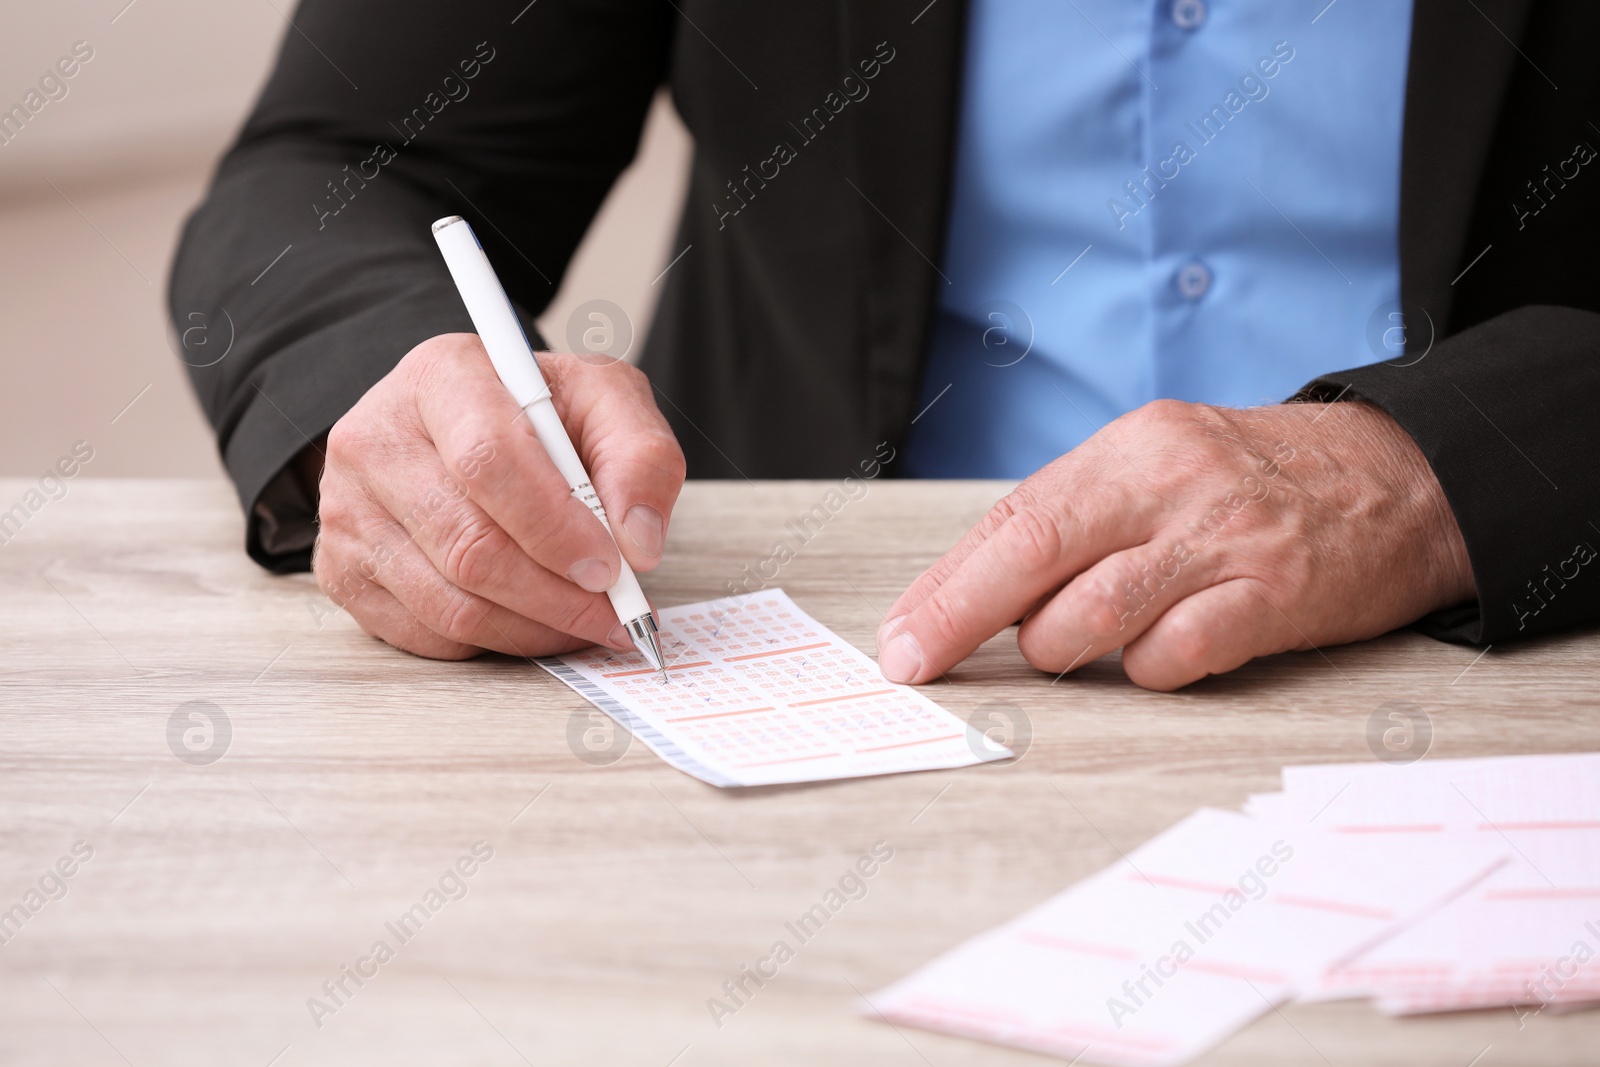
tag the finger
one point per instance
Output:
(946, 565)
(344, 578)
(380, 615)
(464, 617)
(1036, 550)
(1215, 631)
(627, 446)
(470, 551)
(390, 559)
(1111, 604)
(484, 440)
(1079, 476)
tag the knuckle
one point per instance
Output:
(479, 449)
(459, 619)
(942, 620)
(1033, 539)
(496, 438)
(1007, 506)
(635, 378)
(439, 350)
(548, 541)
(1294, 575)
(1167, 410)
(1250, 518)
(1163, 418)
(662, 451)
(586, 614)
(473, 551)
(643, 453)
(344, 442)
(562, 532)
(478, 457)
(635, 381)
(1103, 613)
(335, 510)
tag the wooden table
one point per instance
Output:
(221, 896)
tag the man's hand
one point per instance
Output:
(445, 528)
(1195, 538)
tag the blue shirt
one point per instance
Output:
(1196, 199)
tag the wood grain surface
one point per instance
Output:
(221, 896)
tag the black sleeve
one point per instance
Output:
(1508, 415)
(309, 270)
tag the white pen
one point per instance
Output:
(514, 362)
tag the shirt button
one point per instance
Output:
(1194, 280)
(1188, 14)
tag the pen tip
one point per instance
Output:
(644, 633)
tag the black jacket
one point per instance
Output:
(790, 334)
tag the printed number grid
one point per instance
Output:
(757, 625)
(756, 686)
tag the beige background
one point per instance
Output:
(94, 190)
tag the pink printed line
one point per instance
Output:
(908, 744)
(792, 759)
(924, 1002)
(652, 670)
(1397, 968)
(1576, 893)
(1228, 970)
(1511, 981)
(1104, 1037)
(1433, 828)
(1069, 945)
(1183, 883)
(847, 696)
(774, 652)
(1360, 910)
(719, 715)
(1501, 991)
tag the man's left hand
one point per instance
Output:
(1195, 539)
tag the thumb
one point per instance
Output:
(628, 448)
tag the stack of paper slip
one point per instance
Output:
(1527, 935)
(1446, 884)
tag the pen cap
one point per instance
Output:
(490, 308)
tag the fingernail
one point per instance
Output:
(889, 627)
(645, 526)
(901, 659)
(592, 574)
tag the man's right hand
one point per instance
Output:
(447, 531)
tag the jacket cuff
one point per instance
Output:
(1495, 410)
(296, 397)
